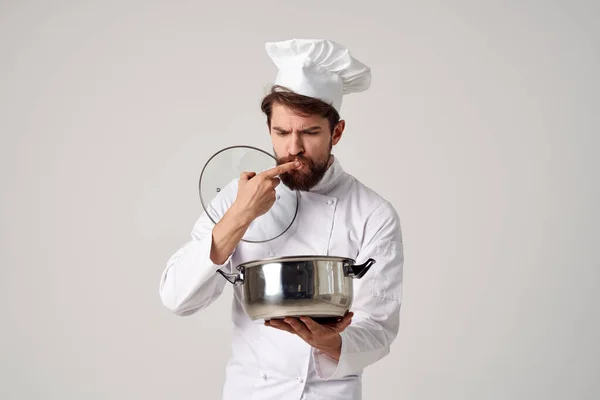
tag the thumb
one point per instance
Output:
(345, 322)
(245, 176)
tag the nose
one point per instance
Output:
(295, 146)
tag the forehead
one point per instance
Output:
(285, 118)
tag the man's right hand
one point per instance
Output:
(256, 193)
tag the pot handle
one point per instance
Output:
(358, 271)
(235, 279)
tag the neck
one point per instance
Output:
(330, 179)
(330, 161)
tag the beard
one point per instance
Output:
(300, 180)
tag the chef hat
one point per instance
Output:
(318, 68)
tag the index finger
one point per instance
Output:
(280, 169)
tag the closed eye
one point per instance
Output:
(310, 131)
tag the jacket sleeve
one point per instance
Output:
(377, 300)
(190, 282)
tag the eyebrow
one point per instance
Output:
(309, 129)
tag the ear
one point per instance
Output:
(338, 131)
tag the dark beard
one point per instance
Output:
(298, 180)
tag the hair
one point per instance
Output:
(300, 104)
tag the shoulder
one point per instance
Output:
(375, 215)
(372, 203)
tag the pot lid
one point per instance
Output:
(218, 190)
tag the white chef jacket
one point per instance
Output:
(338, 217)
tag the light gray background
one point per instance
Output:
(481, 127)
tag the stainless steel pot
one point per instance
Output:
(320, 287)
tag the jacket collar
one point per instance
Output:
(331, 178)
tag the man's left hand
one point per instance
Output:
(325, 338)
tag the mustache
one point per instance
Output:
(299, 158)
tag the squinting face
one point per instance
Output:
(306, 139)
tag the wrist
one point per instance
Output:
(332, 350)
(239, 215)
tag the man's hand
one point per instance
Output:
(325, 338)
(256, 193)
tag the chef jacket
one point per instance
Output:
(340, 216)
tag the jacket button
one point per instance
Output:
(264, 376)
(300, 379)
(271, 254)
(330, 201)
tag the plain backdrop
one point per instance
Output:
(481, 127)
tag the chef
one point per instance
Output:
(298, 358)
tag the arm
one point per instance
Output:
(376, 304)
(189, 282)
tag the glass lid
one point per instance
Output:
(218, 187)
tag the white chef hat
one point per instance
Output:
(318, 68)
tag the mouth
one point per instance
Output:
(301, 162)
(302, 168)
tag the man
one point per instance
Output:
(297, 358)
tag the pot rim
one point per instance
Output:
(262, 261)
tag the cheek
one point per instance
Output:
(318, 149)
(315, 146)
(278, 144)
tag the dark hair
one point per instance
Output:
(302, 105)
